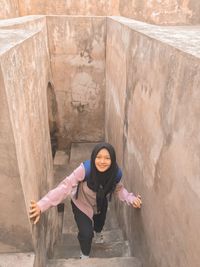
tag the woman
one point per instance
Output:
(90, 185)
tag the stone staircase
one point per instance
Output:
(114, 251)
(96, 262)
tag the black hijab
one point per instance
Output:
(103, 183)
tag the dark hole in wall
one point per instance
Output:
(52, 113)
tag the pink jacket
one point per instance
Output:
(86, 200)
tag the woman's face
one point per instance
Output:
(103, 160)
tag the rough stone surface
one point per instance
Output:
(165, 12)
(14, 230)
(69, 248)
(80, 152)
(9, 9)
(24, 62)
(96, 262)
(77, 51)
(17, 260)
(184, 38)
(152, 118)
(61, 158)
(31, 23)
(63, 7)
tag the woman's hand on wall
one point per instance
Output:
(137, 203)
(34, 212)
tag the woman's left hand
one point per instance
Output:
(137, 203)
(35, 212)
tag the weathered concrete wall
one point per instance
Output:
(152, 118)
(9, 9)
(24, 63)
(77, 51)
(33, 23)
(14, 226)
(170, 12)
(71, 7)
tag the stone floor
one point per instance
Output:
(17, 259)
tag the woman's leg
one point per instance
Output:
(85, 229)
(99, 219)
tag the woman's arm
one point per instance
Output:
(56, 195)
(127, 197)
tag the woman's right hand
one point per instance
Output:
(34, 212)
(137, 203)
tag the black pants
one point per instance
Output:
(86, 227)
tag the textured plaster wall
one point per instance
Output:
(24, 62)
(14, 229)
(77, 52)
(9, 9)
(152, 118)
(28, 23)
(169, 12)
(69, 7)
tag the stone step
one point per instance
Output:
(69, 225)
(81, 151)
(114, 235)
(69, 248)
(96, 262)
(17, 259)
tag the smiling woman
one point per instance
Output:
(90, 186)
(103, 160)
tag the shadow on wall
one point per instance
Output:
(52, 114)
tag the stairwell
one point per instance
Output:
(138, 84)
(114, 251)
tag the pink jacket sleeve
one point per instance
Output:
(123, 194)
(56, 195)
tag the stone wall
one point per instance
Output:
(25, 140)
(165, 12)
(152, 118)
(77, 52)
(152, 115)
(69, 7)
(9, 9)
(14, 229)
